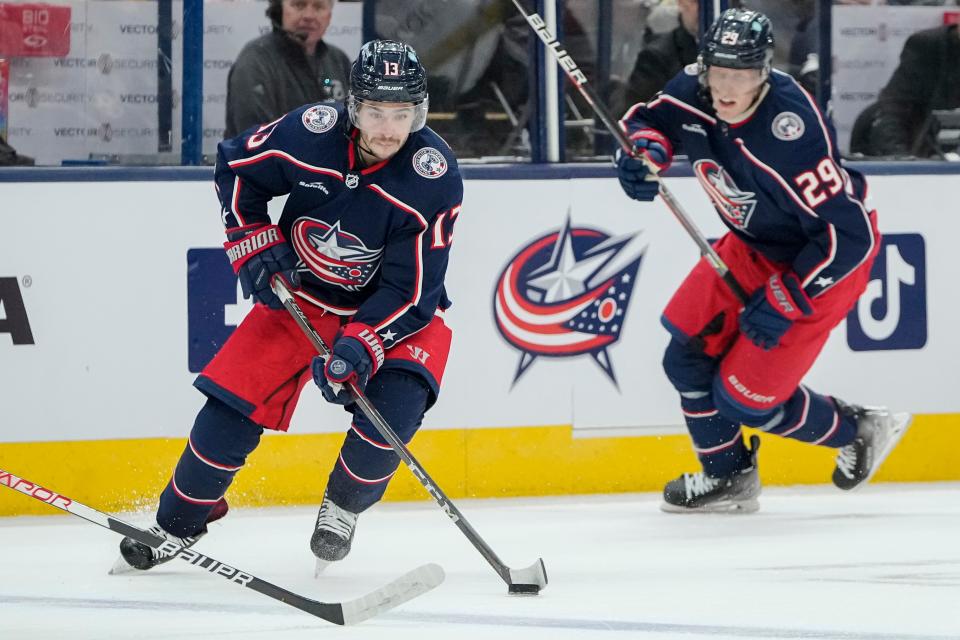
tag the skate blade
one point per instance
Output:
(742, 506)
(320, 567)
(121, 567)
(901, 423)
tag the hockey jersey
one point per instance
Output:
(372, 243)
(775, 178)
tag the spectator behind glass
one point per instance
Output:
(661, 58)
(928, 78)
(9, 156)
(287, 68)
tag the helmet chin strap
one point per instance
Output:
(359, 147)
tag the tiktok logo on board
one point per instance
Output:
(892, 312)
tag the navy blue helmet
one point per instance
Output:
(739, 39)
(388, 71)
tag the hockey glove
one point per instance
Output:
(356, 355)
(649, 147)
(257, 252)
(773, 309)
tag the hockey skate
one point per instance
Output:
(136, 556)
(332, 534)
(878, 432)
(699, 493)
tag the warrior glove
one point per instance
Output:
(257, 252)
(357, 354)
(772, 310)
(650, 147)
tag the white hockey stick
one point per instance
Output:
(404, 588)
(529, 580)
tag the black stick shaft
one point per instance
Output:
(329, 612)
(579, 80)
(406, 587)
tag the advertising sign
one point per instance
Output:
(34, 30)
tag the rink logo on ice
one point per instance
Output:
(13, 313)
(566, 294)
(215, 305)
(892, 312)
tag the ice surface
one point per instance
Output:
(881, 563)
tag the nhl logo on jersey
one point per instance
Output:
(320, 118)
(787, 126)
(565, 294)
(429, 163)
(352, 180)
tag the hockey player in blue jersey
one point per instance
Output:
(363, 242)
(801, 242)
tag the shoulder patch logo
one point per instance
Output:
(787, 126)
(320, 118)
(692, 69)
(429, 163)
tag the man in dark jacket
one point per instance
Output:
(927, 78)
(287, 68)
(663, 56)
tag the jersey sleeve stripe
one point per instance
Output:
(275, 153)
(418, 257)
(235, 202)
(665, 97)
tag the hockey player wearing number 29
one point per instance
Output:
(801, 242)
(363, 242)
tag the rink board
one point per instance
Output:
(115, 293)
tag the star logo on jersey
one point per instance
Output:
(735, 205)
(566, 294)
(333, 255)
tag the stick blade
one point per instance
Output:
(528, 581)
(406, 587)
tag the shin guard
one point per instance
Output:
(219, 443)
(367, 462)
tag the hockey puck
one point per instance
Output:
(523, 589)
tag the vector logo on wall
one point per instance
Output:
(566, 294)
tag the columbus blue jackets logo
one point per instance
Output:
(429, 163)
(787, 126)
(320, 118)
(566, 294)
(735, 205)
(333, 255)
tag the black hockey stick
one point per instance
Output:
(579, 80)
(406, 587)
(529, 580)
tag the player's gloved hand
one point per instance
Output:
(649, 146)
(257, 252)
(772, 310)
(356, 355)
